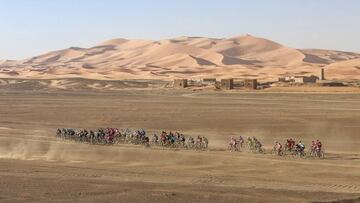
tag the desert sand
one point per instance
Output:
(244, 56)
(95, 87)
(36, 167)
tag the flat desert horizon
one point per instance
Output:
(36, 166)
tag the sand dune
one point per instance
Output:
(242, 56)
(330, 55)
(346, 68)
(246, 45)
(114, 42)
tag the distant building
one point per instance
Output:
(250, 83)
(209, 81)
(286, 79)
(194, 82)
(322, 74)
(180, 83)
(324, 83)
(289, 78)
(282, 79)
(227, 84)
(305, 79)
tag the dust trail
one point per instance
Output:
(24, 150)
(35, 150)
(71, 152)
(68, 152)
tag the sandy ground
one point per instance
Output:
(35, 167)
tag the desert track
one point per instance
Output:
(36, 167)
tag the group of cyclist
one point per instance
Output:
(251, 143)
(291, 147)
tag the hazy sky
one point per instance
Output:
(32, 27)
